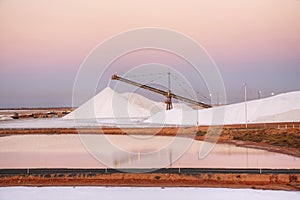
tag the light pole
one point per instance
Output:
(246, 117)
(197, 115)
(259, 94)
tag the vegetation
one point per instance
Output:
(270, 136)
(200, 133)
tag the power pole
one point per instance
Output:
(197, 117)
(169, 97)
(259, 94)
(169, 81)
(246, 117)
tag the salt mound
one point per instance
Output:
(111, 104)
(5, 118)
(153, 107)
(279, 108)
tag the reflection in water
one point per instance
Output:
(160, 151)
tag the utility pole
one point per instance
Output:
(169, 82)
(197, 118)
(169, 97)
(246, 117)
(259, 94)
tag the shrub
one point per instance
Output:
(200, 133)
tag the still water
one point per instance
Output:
(122, 151)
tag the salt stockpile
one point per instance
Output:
(280, 108)
(5, 118)
(109, 104)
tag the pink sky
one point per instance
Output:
(40, 37)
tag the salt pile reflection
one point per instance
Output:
(121, 151)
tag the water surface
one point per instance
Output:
(101, 151)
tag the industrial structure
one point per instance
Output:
(168, 94)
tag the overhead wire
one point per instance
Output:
(185, 84)
(143, 75)
(181, 84)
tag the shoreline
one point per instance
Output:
(288, 182)
(266, 147)
(232, 134)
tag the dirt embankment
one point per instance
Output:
(285, 141)
(257, 181)
(28, 113)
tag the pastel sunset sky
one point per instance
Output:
(43, 43)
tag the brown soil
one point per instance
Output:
(257, 181)
(286, 141)
(27, 113)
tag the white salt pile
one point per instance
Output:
(280, 108)
(110, 104)
(5, 118)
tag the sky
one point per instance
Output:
(43, 43)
